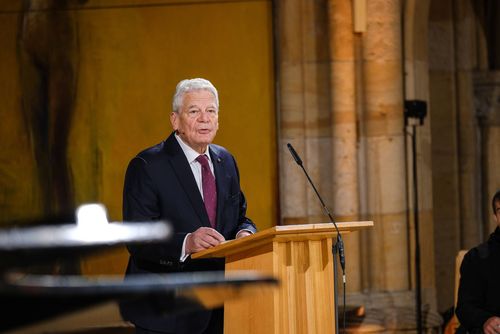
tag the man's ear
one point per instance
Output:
(174, 120)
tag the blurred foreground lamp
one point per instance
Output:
(91, 215)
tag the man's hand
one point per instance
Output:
(492, 326)
(242, 234)
(203, 238)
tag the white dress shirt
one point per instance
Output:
(191, 156)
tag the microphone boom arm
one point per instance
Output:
(340, 243)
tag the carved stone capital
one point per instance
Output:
(487, 97)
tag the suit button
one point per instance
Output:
(166, 263)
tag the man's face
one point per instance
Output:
(497, 212)
(198, 119)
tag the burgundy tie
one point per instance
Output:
(209, 189)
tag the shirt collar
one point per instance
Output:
(191, 154)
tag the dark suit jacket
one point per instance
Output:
(479, 289)
(159, 184)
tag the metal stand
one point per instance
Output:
(335, 251)
(416, 109)
(418, 294)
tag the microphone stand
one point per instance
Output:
(335, 249)
(338, 247)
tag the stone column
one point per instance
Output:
(344, 131)
(383, 171)
(468, 142)
(304, 117)
(416, 19)
(445, 179)
(291, 116)
(487, 108)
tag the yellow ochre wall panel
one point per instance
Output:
(130, 57)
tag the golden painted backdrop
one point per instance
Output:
(110, 68)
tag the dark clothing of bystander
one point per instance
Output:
(479, 290)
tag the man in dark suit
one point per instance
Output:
(478, 305)
(195, 186)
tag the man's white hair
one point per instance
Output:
(190, 85)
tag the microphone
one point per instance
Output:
(340, 242)
(298, 160)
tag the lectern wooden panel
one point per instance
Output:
(300, 256)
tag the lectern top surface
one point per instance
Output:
(283, 232)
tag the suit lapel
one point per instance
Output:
(185, 176)
(221, 180)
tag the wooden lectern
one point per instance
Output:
(300, 256)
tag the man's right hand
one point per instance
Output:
(492, 326)
(203, 238)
